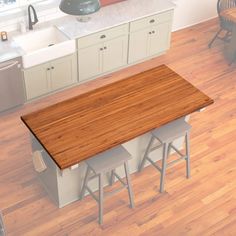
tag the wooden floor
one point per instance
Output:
(203, 205)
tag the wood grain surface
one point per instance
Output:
(81, 127)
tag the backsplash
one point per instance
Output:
(48, 10)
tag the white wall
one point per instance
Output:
(190, 12)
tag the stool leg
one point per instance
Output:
(100, 179)
(146, 153)
(164, 164)
(112, 178)
(169, 149)
(131, 197)
(187, 155)
(85, 183)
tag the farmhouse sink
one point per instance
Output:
(44, 45)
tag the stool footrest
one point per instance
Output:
(154, 164)
(92, 194)
(92, 177)
(176, 150)
(155, 148)
(175, 161)
(119, 178)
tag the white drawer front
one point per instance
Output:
(151, 20)
(103, 36)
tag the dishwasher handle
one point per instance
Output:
(8, 66)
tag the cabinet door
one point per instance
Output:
(89, 60)
(160, 38)
(115, 53)
(63, 72)
(37, 80)
(138, 45)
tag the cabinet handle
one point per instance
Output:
(101, 49)
(105, 47)
(103, 36)
(52, 67)
(48, 68)
(152, 21)
(153, 32)
(150, 32)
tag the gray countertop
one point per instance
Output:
(113, 15)
(106, 17)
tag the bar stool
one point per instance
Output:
(101, 164)
(166, 135)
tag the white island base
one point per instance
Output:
(63, 186)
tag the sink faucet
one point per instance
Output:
(31, 22)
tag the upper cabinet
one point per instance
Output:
(102, 52)
(150, 36)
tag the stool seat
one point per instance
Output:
(171, 131)
(109, 159)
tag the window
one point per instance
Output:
(10, 4)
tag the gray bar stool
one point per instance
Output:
(166, 135)
(101, 164)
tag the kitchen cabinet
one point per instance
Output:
(63, 72)
(90, 62)
(102, 52)
(149, 36)
(115, 53)
(51, 76)
(36, 81)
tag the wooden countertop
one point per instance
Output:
(229, 14)
(76, 129)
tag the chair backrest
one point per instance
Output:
(2, 229)
(221, 6)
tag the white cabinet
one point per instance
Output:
(149, 36)
(36, 81)
(114, 48)
(63, 72)
(159, 38)
(115, 53)
(90, 62)
(102, 52)
(138, 45)
(51, 76)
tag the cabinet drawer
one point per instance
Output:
(103, 36)
(151, 20)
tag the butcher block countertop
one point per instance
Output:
(81, 127)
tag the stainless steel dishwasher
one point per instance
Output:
(11, 84)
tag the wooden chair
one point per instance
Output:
(225, 24)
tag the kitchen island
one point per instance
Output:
(122, 112)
